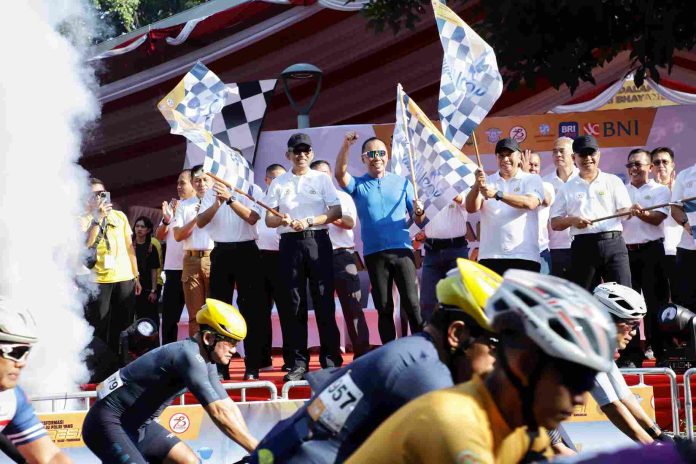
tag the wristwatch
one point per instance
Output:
(231, 200)
(498, 195)
(310, 221)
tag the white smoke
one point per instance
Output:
(45, 101)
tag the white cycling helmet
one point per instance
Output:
(17, 325)
(621, 301)
(563, 319)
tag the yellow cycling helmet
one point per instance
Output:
(468, 287)
(223, 318)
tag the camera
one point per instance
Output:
(679, 326)
(106, 196)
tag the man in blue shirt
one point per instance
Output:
(383, 200)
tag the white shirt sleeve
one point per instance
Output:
(272, 198)
(208, 199)
(610, 387)
(621, 197)
(348, 206)
(662, 196)
(178, 220)
(678, 188)
(550, 192)
(328, 192)
(534, 186)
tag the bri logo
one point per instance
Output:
(568, 129)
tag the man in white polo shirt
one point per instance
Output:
(559, 240)
(308, 202)
(346, 280)
(173, 293)
(508, 202)
(197, 245)
(543, 211)
(644, 236)
(230, 220)
(598, 249)
(685, 215)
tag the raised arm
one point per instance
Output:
(341, 169)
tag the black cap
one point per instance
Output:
(585, 144)
(299, 139)
(510, 144)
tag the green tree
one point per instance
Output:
(121, 16)
(563, 40)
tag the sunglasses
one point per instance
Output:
(15, 352)
(302, 150)
(585, 154)
(659, 162)
(372, 154)
(635, 165)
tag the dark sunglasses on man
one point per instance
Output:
(372, 154)
(17, 352)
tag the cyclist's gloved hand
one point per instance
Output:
(664, 438)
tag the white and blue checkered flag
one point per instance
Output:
(190, 109)
(470, 83)
(442, 171)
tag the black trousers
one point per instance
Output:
(560, 262)
(237, 264)
(670, 265)
(347, 284)
(686, 288)
(172, 305)
(595, 257)
(269, 276)
(111, 311)
(649, 277)
(307, 258)
(398, 266)
(502, 265)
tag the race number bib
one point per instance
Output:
(109, 261)
(335, 404)
(113, 382)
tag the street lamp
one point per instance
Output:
(304, 72)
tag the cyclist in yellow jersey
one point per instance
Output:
(554, 339)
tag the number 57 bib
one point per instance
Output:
(334, 405)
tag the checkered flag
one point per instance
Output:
(441, 171)
(239, 123)
(229, 164)
(470, 83)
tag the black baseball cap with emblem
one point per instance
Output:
(585, 144)
(507, 143)
(299, 139)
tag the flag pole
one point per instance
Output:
(626, 213)
(400, 91)
(478, 155)
(241, 192)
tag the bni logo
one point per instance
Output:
(568, 129)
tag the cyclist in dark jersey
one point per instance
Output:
(350, 402)
(121, 426)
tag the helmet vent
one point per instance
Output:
(560, 329)
(525, 298)
(500, 306)
(589, 333)
(623, 303)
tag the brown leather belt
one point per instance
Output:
(641, 246)
(197, 253)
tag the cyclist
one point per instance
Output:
(350, 402)
(121, 427)
(18, 421)
(626, 307)
(554, 339)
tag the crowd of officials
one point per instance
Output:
(303, 252)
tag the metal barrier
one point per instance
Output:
(673, 388)
(285, 392)
(688, 411)
(87, 395)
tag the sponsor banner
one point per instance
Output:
(190, 423)
(589, 429)
(630, 96)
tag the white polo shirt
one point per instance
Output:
(340, 237)
(269, 239)
(559, 239)
(450, 222)
(544, 212)
(649, 194)
(685, 187)
(507, 232)
(673, 235)
(310, 194)
(174, 256)
(601, 197)
(199, 240)
(226, 225)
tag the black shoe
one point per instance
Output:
(296, 373)
(286, 368)
(252, 374)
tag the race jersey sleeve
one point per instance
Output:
(200, 377)
(418, 379)
(24, 427)
(609, 387)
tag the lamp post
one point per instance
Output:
(304, 72)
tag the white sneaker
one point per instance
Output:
(649, 353)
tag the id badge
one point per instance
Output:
(334, 405)
(109, 261)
